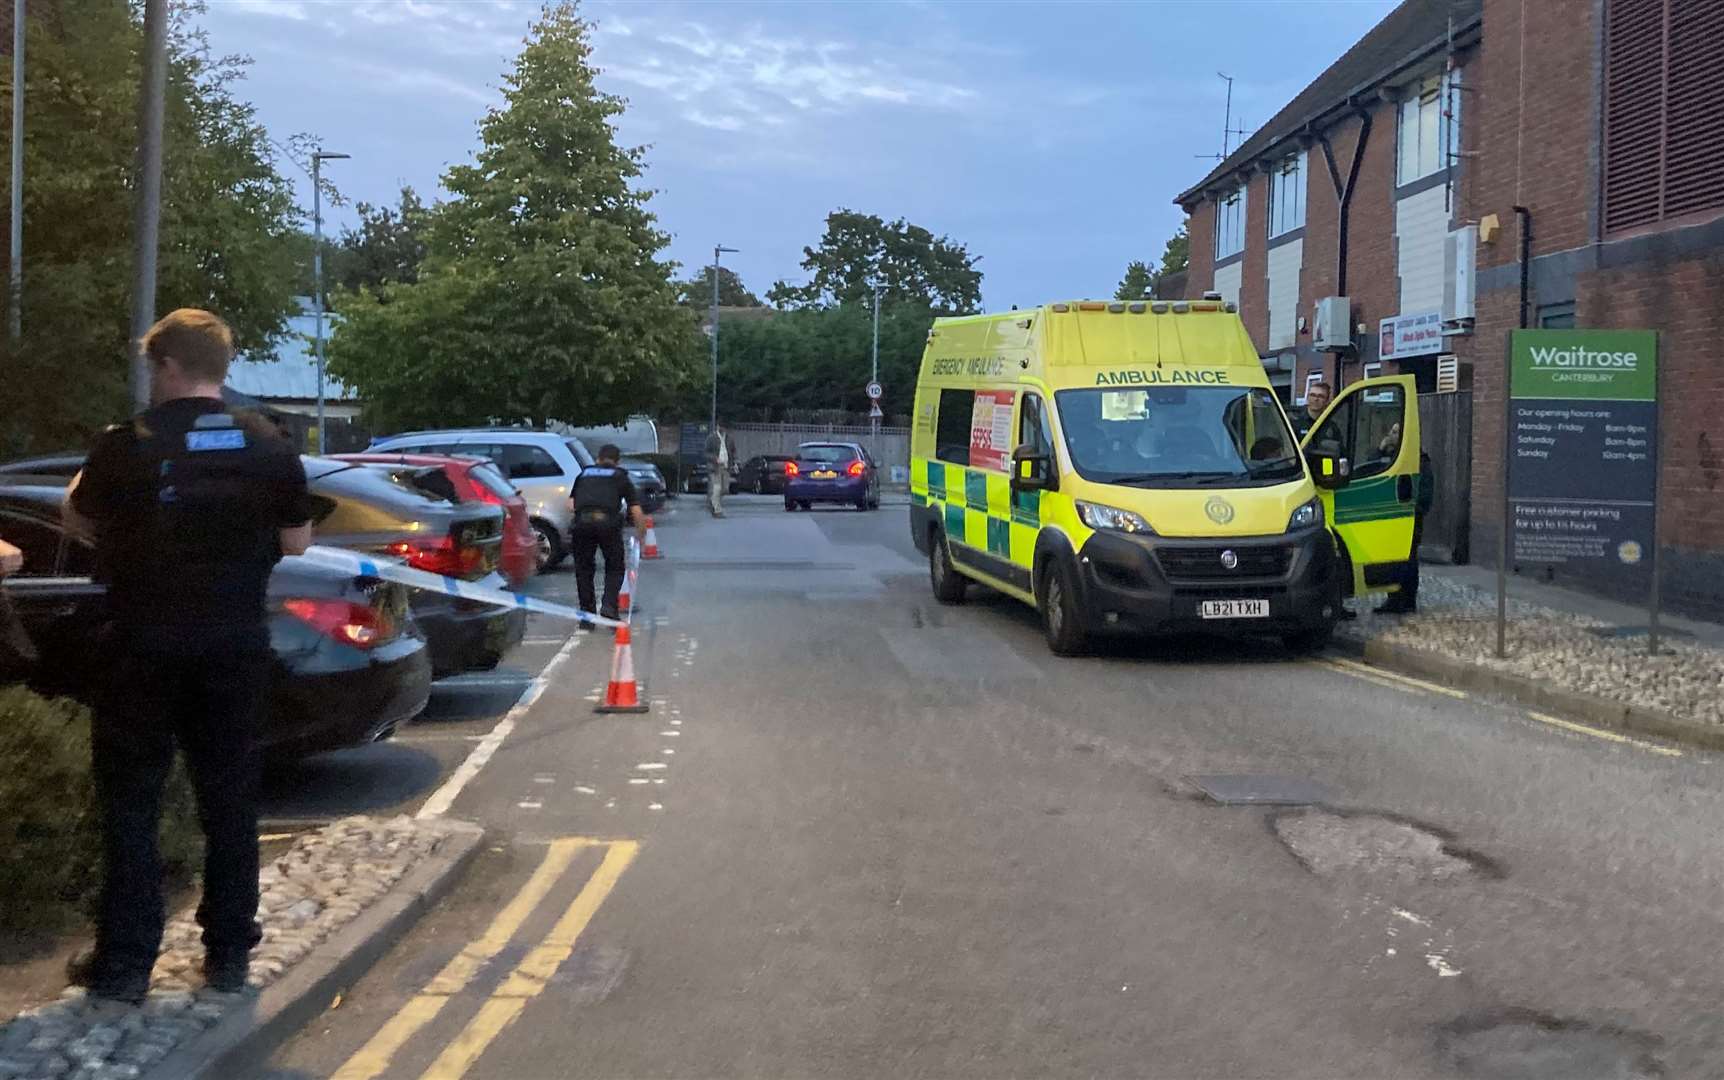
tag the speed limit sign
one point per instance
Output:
(874, 391)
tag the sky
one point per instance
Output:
(1049, 138)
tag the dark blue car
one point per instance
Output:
(831, 473)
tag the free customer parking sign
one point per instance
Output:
(1583, 445)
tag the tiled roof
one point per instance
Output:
(1410, 31)
(292, 372)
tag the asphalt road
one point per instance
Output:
(861, 834)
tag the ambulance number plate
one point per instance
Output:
(1234, 609)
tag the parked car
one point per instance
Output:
(763, 474)
(832, 472)
(648, 481)
(472, 479)
(541, 464)
(348, 663)
(379, 512)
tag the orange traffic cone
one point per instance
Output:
(622, 694)
(651, 550)
(624, 595)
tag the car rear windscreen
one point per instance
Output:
(823, 452)
(493, 481)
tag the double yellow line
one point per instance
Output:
(527, 980)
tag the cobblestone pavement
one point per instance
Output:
(318, 886)
(1459, 621)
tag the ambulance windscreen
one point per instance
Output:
(1179, 436)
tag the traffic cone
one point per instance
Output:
(624, 595)
(621, 693)
(651, 551)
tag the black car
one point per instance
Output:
(762, 474)
(399, 513)
(348, 663)
(648, 481)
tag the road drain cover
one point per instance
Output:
(1329, 844)
(1245, 789)
(1526, 1046)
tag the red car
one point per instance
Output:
(474, 479)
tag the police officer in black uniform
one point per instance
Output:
(601, 493)
(190, 506)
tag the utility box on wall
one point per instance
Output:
(1332, 323)
(1460, 256)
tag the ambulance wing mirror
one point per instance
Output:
(1330, 469)
(321, 507)
(1033, 470)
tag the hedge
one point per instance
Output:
(50, 833)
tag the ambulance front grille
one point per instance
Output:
(1210, 562)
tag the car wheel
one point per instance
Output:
(807, 505)
(550, 547)
(1056, 600)
(789, 507)
(948, 584)
(760, 485)
(862, 503)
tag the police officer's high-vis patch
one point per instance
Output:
(216, 439)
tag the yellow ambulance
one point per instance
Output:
(1127, 467)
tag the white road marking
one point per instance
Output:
(658, 779)
(585, 790)
(544, 779)
(1441, 966)
(670, 734)
(651, 765)
(655, 806)
(529, 804)
(462, 682)
(667, 750)
(1403, 913)
(637, 779)
(444, 797)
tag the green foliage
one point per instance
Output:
(1176, 255)
(542, 294)
(814, 358)
(228, 222)
(910, 263)
(697, 292)
(50, 832)
(386, 249)
(1136, 283)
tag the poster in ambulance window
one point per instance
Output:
(991, 430)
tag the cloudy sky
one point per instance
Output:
(1049, 138)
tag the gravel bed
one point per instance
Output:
(323, 881)
(1555, 647)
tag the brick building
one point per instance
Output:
(1603, 120)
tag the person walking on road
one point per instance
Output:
(717, 470)
(190, 507)
(602, 494)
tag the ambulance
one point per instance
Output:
(1126, 467)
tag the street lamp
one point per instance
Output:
(16, 279)
(317, 159)
(717, 250)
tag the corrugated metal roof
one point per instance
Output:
(1405, 34)
(292, 372)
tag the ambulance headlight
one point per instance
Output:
(1097, 516)
(1306, 516)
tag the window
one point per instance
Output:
(1366, 428)
(1033, 428)
(1372, 370)
(1178, 436)
(1663, 147)
(1230, 224)
(39, 543)
(1556, 316)
(1429, 132)
(952, 426)
(517, 462)
(1287, 196)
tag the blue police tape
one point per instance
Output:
(354, 563)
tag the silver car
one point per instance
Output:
(542, 464)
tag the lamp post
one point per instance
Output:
(317, 159)
(147, 207)
(717, 250)
(874, 376)
(16, 326)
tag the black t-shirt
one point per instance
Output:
(188, 501)
(599, 492)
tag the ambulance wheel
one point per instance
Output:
(1310, 640)
(1057, 602)
(550, 546)
(948, 583)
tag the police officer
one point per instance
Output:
(190, 507)
(601, 493)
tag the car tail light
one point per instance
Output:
(855, 468)
(349, 623)
(440, 556)
(791, 469)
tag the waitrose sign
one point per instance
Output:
(1610, 365)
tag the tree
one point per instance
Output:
(697, 292)
(542, 294)
(1176, 256)
(912, 264)
(1137, 282)
(228, 221)
(386, 249)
